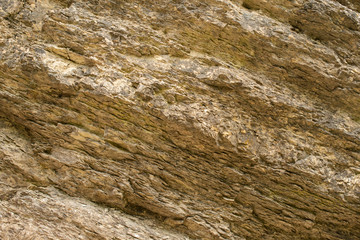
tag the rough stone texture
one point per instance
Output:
(180, 119)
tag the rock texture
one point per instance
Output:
(180, 119)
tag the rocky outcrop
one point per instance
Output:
(183, 119)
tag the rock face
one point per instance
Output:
(180, 119)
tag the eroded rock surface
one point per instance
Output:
(180, 119)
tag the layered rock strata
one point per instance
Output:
(182, 119)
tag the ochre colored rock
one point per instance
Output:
(191, 119)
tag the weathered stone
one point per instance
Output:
(195, 119)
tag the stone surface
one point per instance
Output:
(183, 119)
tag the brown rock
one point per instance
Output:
(185, 119)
